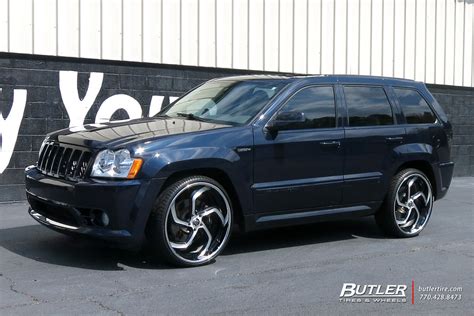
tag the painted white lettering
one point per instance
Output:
(155, 105)
(116, 102)
(9, 127)
(76, 108)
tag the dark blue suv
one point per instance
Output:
(257, 151)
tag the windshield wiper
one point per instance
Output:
(162, 115)
(190, 116)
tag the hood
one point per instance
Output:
(114, 134)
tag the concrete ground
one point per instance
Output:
(297, 270)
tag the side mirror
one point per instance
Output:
(285, 120)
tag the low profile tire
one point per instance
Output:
(191, 221)
(408, 205)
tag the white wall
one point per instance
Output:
(426, 40)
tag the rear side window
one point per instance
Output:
(414, 107)
(317, 104)
(367, 106)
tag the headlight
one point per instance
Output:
(116, 164)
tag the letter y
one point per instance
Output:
(76, 108)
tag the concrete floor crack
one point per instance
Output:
(12, 287)
(105, 307)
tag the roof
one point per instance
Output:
(326, 78)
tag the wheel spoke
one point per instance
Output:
(417, 217)
(428, 198)
(410, 184)
(208, 244)
(400, 202)
(176, 219)
(186, 244)
(213, 210)
(421, 194)
(403, 223)
(195, 196)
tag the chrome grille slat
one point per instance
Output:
(57, 157)
(50, 158)
(74, 175)
(41, 154)
(63, 161)
(72, 164)
(48, 148)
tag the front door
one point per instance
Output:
(301, 168)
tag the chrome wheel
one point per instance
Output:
(413, 203)
(198, 222)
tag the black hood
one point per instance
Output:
(114, 134)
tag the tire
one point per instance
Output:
(408, 215)
(190, 222)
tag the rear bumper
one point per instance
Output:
(444, 174)
(75, 207)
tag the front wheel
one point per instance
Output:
(191, 221)
(408, 205)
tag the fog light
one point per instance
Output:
(100, 218)
(104, 218)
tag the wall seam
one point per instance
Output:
(445, 33)
(8, 25)
(57, 32)
(383, 38)
(416, 36)
(463, 40)
(435, 38)
(426, 39)
(278, 35)
(142, 31)
(32, 26)
(334, 37)
(347, 35)
(263, 37)
(321, 37)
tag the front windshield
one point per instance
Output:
(226, 101)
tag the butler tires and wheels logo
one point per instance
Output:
(373, 293)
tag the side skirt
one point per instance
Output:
(281, 219)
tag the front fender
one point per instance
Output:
(236, 166)
(168, 161)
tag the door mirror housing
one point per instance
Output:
(285, 120)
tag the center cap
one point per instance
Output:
(410, 203)
(196, 221)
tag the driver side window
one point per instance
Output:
(317, 104)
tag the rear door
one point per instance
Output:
(371, 135)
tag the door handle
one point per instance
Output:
(396, 139)
(333, 143)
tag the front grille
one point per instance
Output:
(62, 161)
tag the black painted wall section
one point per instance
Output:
(45, 111)
(458, 103)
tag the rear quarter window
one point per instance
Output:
(414, 107)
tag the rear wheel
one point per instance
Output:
(407, 208)
(191, 221)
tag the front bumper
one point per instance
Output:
(72, 207)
